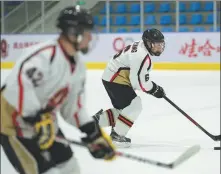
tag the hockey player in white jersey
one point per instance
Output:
(127, 71)
(49, 78)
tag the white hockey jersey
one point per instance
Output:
(130, 67)
(43, 76)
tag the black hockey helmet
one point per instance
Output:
(154, 41)
(75, 21)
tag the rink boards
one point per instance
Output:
(157, 66)
(183, 51)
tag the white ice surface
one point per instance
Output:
(161, 132)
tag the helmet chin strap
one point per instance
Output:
(76, 43)
(79, 39)
(84, 50)
(157, 54)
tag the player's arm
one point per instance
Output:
(73, 109)
(21, 92)
(140, 77)
(97, 141)
(22, 83)
(74, 112)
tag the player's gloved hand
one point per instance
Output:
(157, 91)
(98, 142)
(44, 127)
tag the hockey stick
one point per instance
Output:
(214, 137)
(182, 158)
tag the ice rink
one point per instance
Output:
(161, 132)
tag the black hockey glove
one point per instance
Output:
(157, 91)
(44, 128)
(98, 142)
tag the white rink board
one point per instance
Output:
(180, 47)
(161, 132)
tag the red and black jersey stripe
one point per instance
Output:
(147, 57)
(125, 121)
(20, 83)
(16, 124)
(76, 114)
(118, 72)
(110, 117)
(70, 59)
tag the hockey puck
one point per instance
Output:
(217, 148)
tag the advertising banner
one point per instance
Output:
(180, 47)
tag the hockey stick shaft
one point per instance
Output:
(190, 152)
(214, 137)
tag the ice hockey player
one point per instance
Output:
(126, 72)
(49, 78)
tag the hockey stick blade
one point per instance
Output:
(185, 156)
(182, 158)
(214, 137)
(217, 138)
